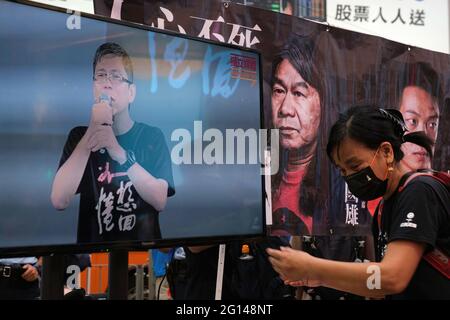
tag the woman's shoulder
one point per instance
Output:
(426, 182)
(423, 190)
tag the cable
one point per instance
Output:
(159, 287)
(165, 274)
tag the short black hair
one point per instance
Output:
(299, 51)
(115, 50)
(422, 75)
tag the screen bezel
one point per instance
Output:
(40, 250)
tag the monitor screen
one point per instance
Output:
(114, 133)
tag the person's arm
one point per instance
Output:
(395, 270)
(151, 189)
(157, 186)
(30, 274)
(69, 175)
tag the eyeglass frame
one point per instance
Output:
(109, 77)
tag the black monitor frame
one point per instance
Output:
(43, 250)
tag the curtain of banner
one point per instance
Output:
(344, 67)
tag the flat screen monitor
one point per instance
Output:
(114, 134)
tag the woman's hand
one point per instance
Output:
(293, 266)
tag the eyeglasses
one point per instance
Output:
(115, 78)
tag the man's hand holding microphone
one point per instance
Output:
(100, 134)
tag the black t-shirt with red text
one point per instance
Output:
(110, 207)
(419, 213)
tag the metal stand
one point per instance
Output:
(118, 275)
(52, 283)
(268, 187)
(139, 282)
(220, 267)
(152, 290)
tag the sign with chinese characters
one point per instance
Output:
(419, 23)
(76, 5)
(352, 207)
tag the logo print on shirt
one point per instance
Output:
(107, 175)
(105, 206)
(408, 223)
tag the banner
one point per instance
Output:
(413, 22)
(312, 72)
(75, 5)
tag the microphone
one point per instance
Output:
(105, 98)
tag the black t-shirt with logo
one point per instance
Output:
(419, 213)
(110, 207)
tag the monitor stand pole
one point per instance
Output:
(118, 275)
(52, 283)
(220, 267)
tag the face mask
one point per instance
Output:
(365, 184)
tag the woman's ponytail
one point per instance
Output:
(421, 139)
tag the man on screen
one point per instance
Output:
(419, 104)
(296, 113)
(121, 168)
